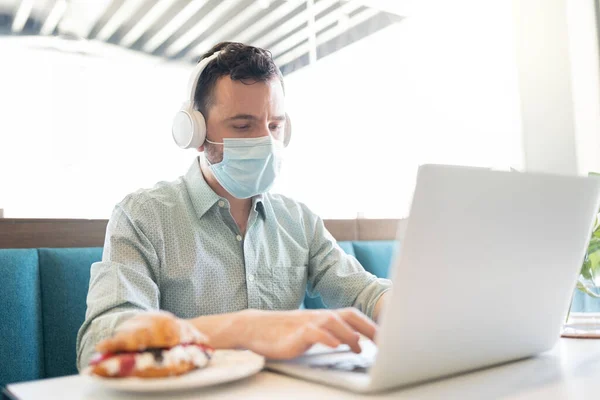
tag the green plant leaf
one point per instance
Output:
(587, 291)
(594, 245)
(590, 269)
(596, 231)
(594, 259)
(586, 270)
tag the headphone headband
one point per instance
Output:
(196, 73)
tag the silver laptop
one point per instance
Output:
(485, 275)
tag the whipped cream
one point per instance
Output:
(169, 357)
(112, 366)
(144, 361)
(178, 354)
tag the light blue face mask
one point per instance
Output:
(249, 166)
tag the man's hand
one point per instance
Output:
(273, 334)
(288, 334)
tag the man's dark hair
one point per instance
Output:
(238, 61)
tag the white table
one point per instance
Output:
(570, 370)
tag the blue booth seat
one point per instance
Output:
(375, 256)
(44, 301)
(65, 277)
(21, 331)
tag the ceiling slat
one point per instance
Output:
(123, 14)
(268, 20)
(81, 16)
(293, 23)
(22, 15)
(201, 26)
(185, 29)
(218, 35)
(145, 22)
(171, 27)
(54, 17)
(320, 24)
(311, 32)
(357, 19)
(327, 35)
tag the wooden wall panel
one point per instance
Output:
(32, 233)
(342, 229)
(379, 229)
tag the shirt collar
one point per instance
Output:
(258, 204)
(203, 197)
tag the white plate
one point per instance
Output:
(225, 366)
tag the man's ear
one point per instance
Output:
(287, 130)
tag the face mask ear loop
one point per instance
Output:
(211, 142)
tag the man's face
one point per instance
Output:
(243, 110)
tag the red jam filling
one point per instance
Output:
(127, 364)
(130, 359)
(99, 357)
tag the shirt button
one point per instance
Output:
(251, 278)
(239, 238)
(221, 203)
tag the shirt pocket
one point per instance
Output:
(289, 286)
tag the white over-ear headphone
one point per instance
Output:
(189, 125)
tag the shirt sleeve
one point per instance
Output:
(339, 278)
(121, 285)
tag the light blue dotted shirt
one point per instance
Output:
(176, 247)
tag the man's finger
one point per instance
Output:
(314, 334)
(359, 322)
(342, 331)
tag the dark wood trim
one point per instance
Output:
(380, 229)
(35, 233)
(342, 229)
(365, 229)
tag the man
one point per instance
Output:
(214, 247)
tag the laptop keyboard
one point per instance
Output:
(351, 364)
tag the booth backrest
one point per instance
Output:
(44, 301)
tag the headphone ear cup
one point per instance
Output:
(199, 129)
(182, 129)
(287, 130)
(189, 129)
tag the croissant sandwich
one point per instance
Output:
(151, 345)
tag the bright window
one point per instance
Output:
(78, 133)
(425, 90)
